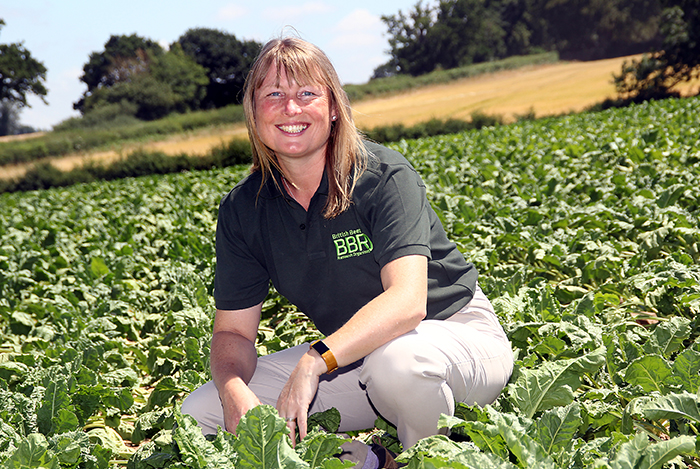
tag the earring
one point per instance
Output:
(334, 117)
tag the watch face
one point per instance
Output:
(326, 354)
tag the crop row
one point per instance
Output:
(585, 232)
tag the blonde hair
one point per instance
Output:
(346, 155)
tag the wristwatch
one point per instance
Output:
(326, 354)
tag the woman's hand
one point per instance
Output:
(233, 360)
(296, 396)
(235, 404)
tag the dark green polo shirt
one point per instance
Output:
(330, 269)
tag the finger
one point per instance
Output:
(302, 427)
(291, 424)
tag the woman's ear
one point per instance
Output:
(334, 113)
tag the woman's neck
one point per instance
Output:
(301, 179)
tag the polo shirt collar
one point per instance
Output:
(272, 190)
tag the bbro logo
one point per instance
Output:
(351, 244)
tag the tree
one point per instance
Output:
(226, 59)
(20, 75)
(592, 30)
(452, 33)
(162, 83)
(468, 31)
(657, 73)
(123, 57)
(408, 41)
(136, 70)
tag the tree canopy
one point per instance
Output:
(677, 60)
(137, 70)
(20, 75)
(452, 33)
(226, 59)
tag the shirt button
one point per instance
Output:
(302, 226)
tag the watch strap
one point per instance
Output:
(326, 354)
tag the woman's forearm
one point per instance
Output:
(399, 309)
(232, 357)
(233, 362)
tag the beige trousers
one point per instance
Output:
(410, 380)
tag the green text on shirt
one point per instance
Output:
(351, 244)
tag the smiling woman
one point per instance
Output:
(294, 120)
(343, 229)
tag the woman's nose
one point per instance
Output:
(292, 107)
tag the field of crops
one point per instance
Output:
(585, 230)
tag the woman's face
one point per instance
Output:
(292, 120)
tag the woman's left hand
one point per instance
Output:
(296, 396)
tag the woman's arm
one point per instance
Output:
(399, 309)
(233, 361)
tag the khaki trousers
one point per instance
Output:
(410, 380)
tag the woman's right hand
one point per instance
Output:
(236, 404)
(233, 361)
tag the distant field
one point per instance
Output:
(544, 89)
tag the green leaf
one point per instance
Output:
(318, 446)
(263, 443)
(557, 427)
(672, 406)
(56, 414)
(552, 383)
(98, 267)
(435, 463)
(33, 452)
(108, 438)
(328, 419)
(149, 423)
(336, 464)
(164, 393)
(476, 424)
(69, 447)
(669, 196)
(155, 454)
(656, 455)
(686, 370)
(472, 459)
(528, 450)
(195, 450)
(436, 446)
(668, 336)
(630, 453)
(651, 373)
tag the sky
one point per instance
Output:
(63, 33)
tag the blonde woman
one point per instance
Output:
(343, 229)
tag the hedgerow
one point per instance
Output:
(141, 162)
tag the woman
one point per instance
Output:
(342, 228)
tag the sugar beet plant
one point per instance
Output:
(585, 231)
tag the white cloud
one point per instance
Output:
(232, 11)
(359, 29)
(358, 38)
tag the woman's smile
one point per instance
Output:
(293, 128)
(293, 120)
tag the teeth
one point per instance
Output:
(293, 129)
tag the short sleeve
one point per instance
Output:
(399, 216)
(241, 279)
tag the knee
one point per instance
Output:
(191, 407)
(402, 366)
(204, 406)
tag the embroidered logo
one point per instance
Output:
(352, 243)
